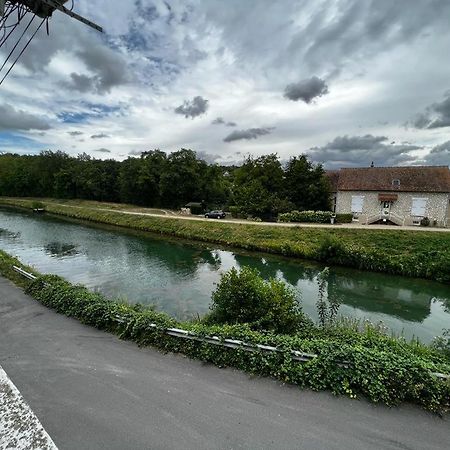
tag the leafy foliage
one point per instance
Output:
(327, 308)
(344, 218)
(245, 297)
(260, 188)
(306, 216)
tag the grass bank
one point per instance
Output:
(418, 254)
(377, 367)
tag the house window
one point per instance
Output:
(419, 207)
(357, 203)
(396, 183)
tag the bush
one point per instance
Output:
(306, 216)
(235, 212)
(425, 222)
(344, 218)
(37, 205)
(245, 297)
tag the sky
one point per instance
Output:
(346, 82)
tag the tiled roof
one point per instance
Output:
(333, 178)
(402, 179)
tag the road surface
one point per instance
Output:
(92, 391)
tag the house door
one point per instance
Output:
(385, 210)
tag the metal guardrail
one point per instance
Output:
(28, 275)
(228, 343)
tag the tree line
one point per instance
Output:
(261, 187)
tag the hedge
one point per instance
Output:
(306, 216)
(344, 218)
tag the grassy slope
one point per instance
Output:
(402, 252)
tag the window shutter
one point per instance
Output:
(419, 207)
(357, 203)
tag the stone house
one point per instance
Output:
(393, 195)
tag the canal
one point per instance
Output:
(178, 276)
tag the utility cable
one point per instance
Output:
(5, 38)
(17, 43)
(23, 50)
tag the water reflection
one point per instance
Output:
(178, 277)
(60, 249)
(373, 293)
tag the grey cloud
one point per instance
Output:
(108, 66)
(75, 133)
(207, 157)
(306, 90)
(100, 136)
(439, 155)
(102, 150)
(353, 151)
(16, 119)
(81, 83)
(221, 121)
(196, 107)
(250, 133)
(437, 115)
(135, 152)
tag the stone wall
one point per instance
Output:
(437, 207)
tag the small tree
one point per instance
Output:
(327, 309)
(245, 297)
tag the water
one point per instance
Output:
(178, 276)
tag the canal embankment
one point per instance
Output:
(409, 253)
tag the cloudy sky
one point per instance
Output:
(346, 81)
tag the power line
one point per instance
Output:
(21, 53)
(17, 43)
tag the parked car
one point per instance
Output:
(215, 215)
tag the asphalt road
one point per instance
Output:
(92, 391)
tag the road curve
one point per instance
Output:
(92, 391)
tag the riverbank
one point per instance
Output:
(420, 254)
(341, 358)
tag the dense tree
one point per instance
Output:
(261, 187)
(258, 187)
(306, 186)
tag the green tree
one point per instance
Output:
(306, 186)
(258, 187)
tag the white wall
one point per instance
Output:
(437, 206)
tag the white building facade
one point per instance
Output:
(395, 195)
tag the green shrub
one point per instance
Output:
(245, 297)
(425, 222)
(197, 209)
(306, 216)
(344, 218)
(37, 205)
(235, 211)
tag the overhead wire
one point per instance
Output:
(17, 43)
(23, 50)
